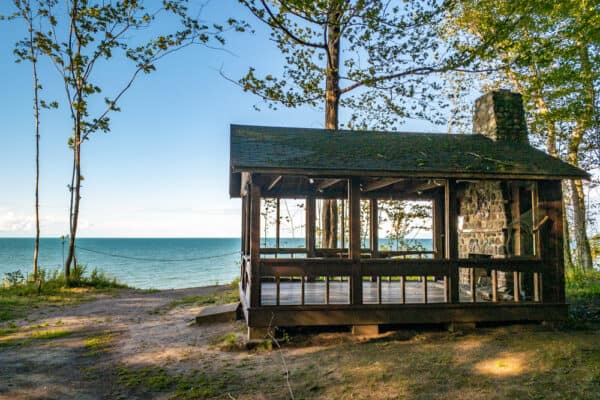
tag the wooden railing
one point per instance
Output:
(343, 252)
(379, 274)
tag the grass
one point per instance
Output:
(51, 334)
(225, 296)
(18, 297)
(193, 385)
(99, 344)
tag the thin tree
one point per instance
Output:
(26, 50)
(77, 35)
(372, 59)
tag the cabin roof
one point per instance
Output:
(320, 152)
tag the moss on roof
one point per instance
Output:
(276, 148)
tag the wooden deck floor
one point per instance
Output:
(339, 292)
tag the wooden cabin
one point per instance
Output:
(496, 229)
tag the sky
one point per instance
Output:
(162, 170)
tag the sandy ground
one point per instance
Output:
(137, 345)
(139, 330)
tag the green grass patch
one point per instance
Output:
(196, 385)
(99, 344)
(19, 296)
(230, 295)
(51, 334)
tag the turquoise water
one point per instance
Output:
(141, 263)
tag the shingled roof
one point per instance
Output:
(371, 153)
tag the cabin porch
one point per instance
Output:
(371, 285)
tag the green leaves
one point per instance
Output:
(385, 52)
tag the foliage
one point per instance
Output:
(386, 51)
(404, 218)
(18, 299)
(78, 36)
(550, 53)
(14, 278)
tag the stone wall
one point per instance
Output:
(483, 230)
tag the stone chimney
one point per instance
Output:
(499, 115)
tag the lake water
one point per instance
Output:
(141, 263)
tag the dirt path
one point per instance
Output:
(87, 351)
(136, 345)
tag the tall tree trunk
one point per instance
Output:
(36, 108)
(583, 253)
(329, 211)
(75, 197)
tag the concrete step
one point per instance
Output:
(220, 313)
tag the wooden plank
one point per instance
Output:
(472, 284)
(278, 286)
(403, 289)
(551, 240)
(310, 225)
(277, 224)
(516, 287)
(326, 183)
(327, 289)
(244, 238)
(380, 184)
(536, 286)
(494, 285)
(516, 224)
(354, 245)
(451, 232)
(374, 228)
(438, 225)
(328, 173)
(274, 182)
(322, 315)
(424, 281)
(254, 245)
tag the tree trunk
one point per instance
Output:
(36, 105)
(567, 254)
(583, 252)
(329, 211)
(75, 197)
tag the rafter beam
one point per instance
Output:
(327, 183)
(274, 182)
(380, 184)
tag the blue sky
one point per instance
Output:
(162, 171)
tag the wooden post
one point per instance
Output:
(354, 245)
(244, 238)
(278, 226)
(374, 229)
(254, 245)
(310, 226)
(451, 236)
(438, 225)
(515, 211)
(551, 241)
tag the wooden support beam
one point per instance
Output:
(254, 245)
(380, 184)
(244, 201)
(277, 225)
(451, 245)
(325, 183)
(354, 245)
(246, 177)
(374, 229)
(438, 218)
(274, 182)
(551, 241)
(310, 225)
